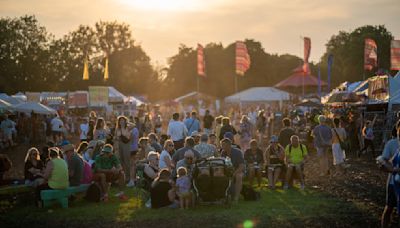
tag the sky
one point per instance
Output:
(159, 26)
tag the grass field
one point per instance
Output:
(276, 208)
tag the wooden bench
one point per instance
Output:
(61, 196)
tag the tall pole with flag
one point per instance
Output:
(85, 69)
(242, 59)
(201, 66)
(106, 69)
(370, 55)
(306, 66)
(395, 55)
(330, 62)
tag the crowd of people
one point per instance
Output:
(141, 152)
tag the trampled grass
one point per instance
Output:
(276, 206)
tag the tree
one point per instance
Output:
(348, 51)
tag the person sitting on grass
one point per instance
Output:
(254, 161)
(153, 141)
(236, 158)
(75, 164)
(183, 185)
(33, 168)
(55, 174)
(162, 193)
(108, 169)
(275, 160)
(151, 169)
(295, 156)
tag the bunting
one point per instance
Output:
(201, 65)
(106, 69)
(395, 55)
(242, 58)
(307, 51)
(370, 54)
(86, 69)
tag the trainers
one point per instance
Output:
(131, 184)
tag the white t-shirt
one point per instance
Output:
(177, 130)
(56, 124)
(161, 163)
(84, 130)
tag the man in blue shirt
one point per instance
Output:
(323, 142)
(390, 149)
(236, 157)
(192, 123)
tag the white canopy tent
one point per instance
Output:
(114, 96)
(37, 108)
(258, 94)
(9, 99)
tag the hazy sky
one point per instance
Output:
(161, 25)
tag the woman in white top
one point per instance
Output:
(337, 152)
(100, 130)
(165, 157)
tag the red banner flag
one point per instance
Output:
(370, 54)
(201, 66)
(307, 51)
(395, 55)
(242, 58)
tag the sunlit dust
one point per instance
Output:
(163, 5)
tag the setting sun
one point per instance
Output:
(163, 5)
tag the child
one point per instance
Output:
(183, 188)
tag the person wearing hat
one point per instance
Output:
(274, 157)
(75, 164)
(108, 169)
(254, 160)
(196, 136)
(55, 174)
(206, 150)
(323, 142)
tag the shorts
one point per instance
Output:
(184, 194)
(391, 199)
(110, 178)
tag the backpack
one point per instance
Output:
(249, 194)
(301, 148)
(93, 193)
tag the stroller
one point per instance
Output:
(212, 179)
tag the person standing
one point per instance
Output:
(192, 124)
(83, 130)
(338, 135)
(246, 132)
(126, 145)
(323, 142)
(57, 126)
(177, 131)
(368, 136)
(7, 127)
(100, 130)
(208, 121)
(286, 133)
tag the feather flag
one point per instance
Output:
(370, 54)
(242, 58)
(395, 55)
(307, 51)
(201, 65)
(330, 62)
(86, 69)
(106, 69)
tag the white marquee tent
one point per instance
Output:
(258, 94)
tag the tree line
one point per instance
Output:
(32, 59)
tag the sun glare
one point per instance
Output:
(163, 5)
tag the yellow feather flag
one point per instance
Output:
(86, 70)
(106, 70)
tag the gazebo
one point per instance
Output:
(300, 82)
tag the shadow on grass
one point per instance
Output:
(291, 208)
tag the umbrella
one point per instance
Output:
(34, 107)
